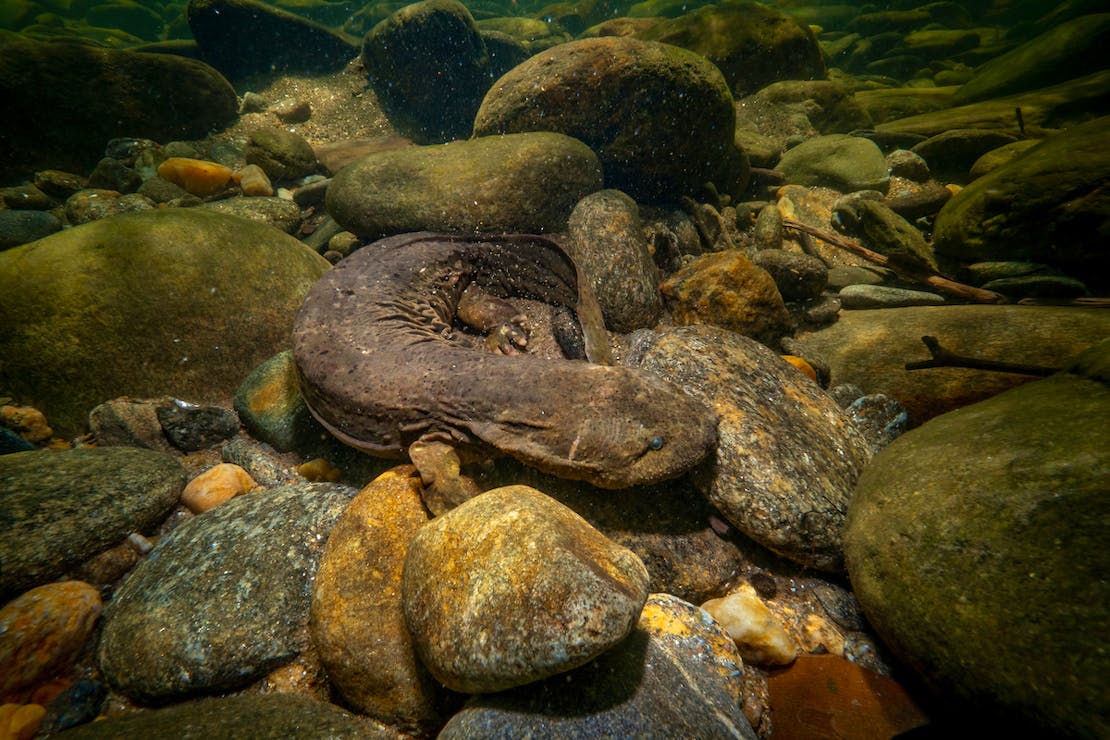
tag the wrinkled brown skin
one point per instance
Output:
(380, 370)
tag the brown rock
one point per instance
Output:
(215, 486)
(512, 587)
(727, 289)
(356, 619)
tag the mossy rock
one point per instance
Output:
(976, 545)
(182, 302)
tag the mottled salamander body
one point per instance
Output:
(379, 367)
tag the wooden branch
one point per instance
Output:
(942, 357)
(939, 282)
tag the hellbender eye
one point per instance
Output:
(656, 443)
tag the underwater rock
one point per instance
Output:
(270, 404)
(74, 310)
(197, 176)
(975, 546)
(270, 715)
(1047, 205)
(511, 587)
(429, 68)
(787, 456)
(660, 118)
(43, 631)
(21, 227)
(871, 348)
(1074, 47)
(194, 618)
(215, 486)
(884, 231)
(90, 205)
(677, 674)
(727, 289)
(846, 163)
(356, 620)
(61, 508)
(610, 248)
(246, 37)
(999, 156)
(283, 155)
(74, 97)
(281, 214)
(798, 276)
(950, 154)
(760, 637)
(752, 44)
(516, 183)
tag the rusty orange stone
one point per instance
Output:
(201, 178)
(826, 696)
(802, 365)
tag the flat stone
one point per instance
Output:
(223, 599)
(787, 456)
(21, 227)
(512, 587)
(884, 296)
(678, 674)
(62, 508)
(975, 544)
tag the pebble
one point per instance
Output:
(190, 427)
(128, 422)
(59, 184)
(23, 226)
(216, 486)
(279, 212)
(43, 631)
(884, 296)
(112, 174)
(845, 163)
(93, 205)
(196, 176)
(882, 419)
(798, 276)
(907, 164)
(281, 154)
(75, 705)
(760, 638)
(253, 181)
(27, 421)
(20, 721)
(26, 197)
(511, 587)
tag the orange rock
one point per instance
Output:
(217, 485)
(199, 177)
(43, 631)
(827, 696)
(802, 365)
(20, 722)
(253, 181)
(319, 469)
(27, 421)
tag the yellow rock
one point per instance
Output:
(23, 723)
(199, 177)
(802, 365)
(253, 181)
(319, 469)
(758, 635)
(216, 486)
(28, 422)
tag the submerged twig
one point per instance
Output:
(942, 357)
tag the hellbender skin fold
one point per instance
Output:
(380, 370)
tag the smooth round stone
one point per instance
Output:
(43, 631)
(976, 547)
(845, 163)
(223, 599)
(884, 296)
(609, 246)
(357, 622)
(20, 227)
(217, 297)
(677, 675)
(215, 486)
(787, 456)
(660, 117)
(511, 587)
(61, 508)
(283, 155)
(517, 183)
(259, 716)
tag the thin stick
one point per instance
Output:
(942, 357)
(941, 283)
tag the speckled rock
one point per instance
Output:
(283, 154)
(278, 40)
(129, 422)
(609, 246)
(787, 456)
(102, 94)
(870, 349)
(676, 675)
(429, 67)
(284, 215)
(660, 118)
(73, 311)
(223, 599)
(266, 717)
(512, 587)
(43, 631)
(846, 163)
(975, 545)
(518, 183)
(727, 289)
(752, 44)
(356, 620)
(1044, 206)
(885, 296)
(61, 508)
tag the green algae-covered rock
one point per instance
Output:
(840, 161)
(660, 118)
(753, 45)
(1049, 205)
(57, 509)
(976, 545)
(522, 182)
(183, 302)
(72, 98)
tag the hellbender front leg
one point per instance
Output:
(505, 327)
(445, 487)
